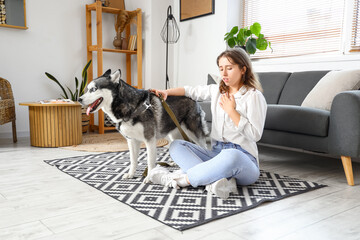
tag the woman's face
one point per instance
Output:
(231, 73)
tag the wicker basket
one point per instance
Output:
(85, 119)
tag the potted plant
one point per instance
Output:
(248, 38)
(76, 93)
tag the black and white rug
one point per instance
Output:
(181, 209)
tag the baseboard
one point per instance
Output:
(18, 134)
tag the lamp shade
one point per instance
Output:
(170, 32)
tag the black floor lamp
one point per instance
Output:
(170, 33)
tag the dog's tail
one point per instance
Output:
(204, 125)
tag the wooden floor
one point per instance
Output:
(38, 201)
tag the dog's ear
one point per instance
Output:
(107, 73)
(115, 77)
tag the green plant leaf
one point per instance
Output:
(255, 28)
(83, 85)
(84, 78)
(261, 44)
(76, 97)
(234, 30)
(231, 42)
(72, 95)
(251, 46)
(247, 33)
(231, 34)
(241, 37)
(86, 68)
(55, 80)
(76, 87)
(78, 91)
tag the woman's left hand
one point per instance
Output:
(227, 103)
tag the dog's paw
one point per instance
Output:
(147, 180)
(127, 176)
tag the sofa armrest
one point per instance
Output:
(344, 131)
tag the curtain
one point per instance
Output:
(298, 27)
(355, 33)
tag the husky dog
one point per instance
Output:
(140, 117)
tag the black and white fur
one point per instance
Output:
(140, 117)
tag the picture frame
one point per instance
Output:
(119, 4)
(190, 9)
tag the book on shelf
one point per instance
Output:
(68, 101)
(132, 42)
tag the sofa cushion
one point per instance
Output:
(298, 86)
(297, 119)
(333, 83)
(213, 79)
(273, 84)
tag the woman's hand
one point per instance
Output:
(227, 103)
(163, 93)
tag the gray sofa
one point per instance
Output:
(335, 132)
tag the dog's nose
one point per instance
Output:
(80, 100)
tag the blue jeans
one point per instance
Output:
(225, 160)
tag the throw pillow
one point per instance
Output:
(334, 82)
(213, 79)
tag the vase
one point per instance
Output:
(85, 119)
(124, 43)
(117, 41)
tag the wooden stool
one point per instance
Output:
(55, 124)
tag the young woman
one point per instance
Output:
(238, 114)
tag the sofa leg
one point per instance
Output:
(346, 161)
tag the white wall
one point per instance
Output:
(154, 46)
(201, 41)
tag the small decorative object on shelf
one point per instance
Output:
(122, 19)
(105, 3)
(118, 41)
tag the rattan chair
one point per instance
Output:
(7, 106)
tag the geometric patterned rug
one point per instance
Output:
(181, 209)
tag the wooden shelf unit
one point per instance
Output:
(99, 49)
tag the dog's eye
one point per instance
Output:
(93, 89)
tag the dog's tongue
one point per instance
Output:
(88, 110)
(91, 107)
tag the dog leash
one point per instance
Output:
(173, 117)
